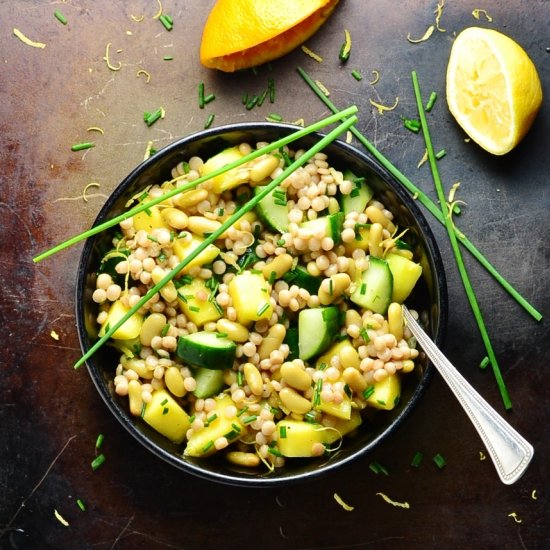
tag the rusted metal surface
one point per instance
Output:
(51, 415)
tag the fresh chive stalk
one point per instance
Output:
(431, 101)
(209, 121)
(357, 75)
(456, 249)
(187, 187)
(81, 505)
(430, 205)
(99, 441)
(484, 362)
(60, 17)
(82, 146)
(98, 461)
(247, 207)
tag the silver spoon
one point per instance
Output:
(510, 452)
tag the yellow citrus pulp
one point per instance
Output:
(245, 33)
(493, 89)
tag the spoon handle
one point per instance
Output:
(510, 452)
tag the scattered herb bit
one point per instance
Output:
(440, 154)
(425, 36)
(274, 452)
(98, 461)
(271, 89)
(54, 335)
(165, 410)
(151, 118)
(82, 146)
(439, 461)
(28, 41)
(368, 392)
(484, 362)
(261, 99)
(209, 121)
(208, 446)
(209, 98)
(365, 335)
(431, 102)
(312, 54)
(245, 408)
(60, 17)
(263, 309)
(411, 124)
(167, 22)
(250, 419)
(274, 117)
(221, 335)
(60, 518)
(345, 50)
(357, 75)
(81, 504)
(345, 506)
(282, 432)
(310, 417)
(377, 468)
(168, 58)
(99, 441)
(477, 12)
(108, 61)
(201, 95)
(456, 250)
(165, 329)
(252, 102)
(417, 459)
(393, 502)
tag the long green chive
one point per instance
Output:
(430, 205)
(417, 459)
(209, 121)
(82, 146)
(99, 441)
(484, 362)
(60, 17)
(98, 461)
(431, 102)
(187, 187)
(439, 461)
(456, 249)
(167, 22)
(201, 95)
(357, 75)
(81, 504)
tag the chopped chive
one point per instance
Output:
(310, 417)
(192, 418)
(221, 334)
(163, 402)
(282, 432)
(153, 239)
(243, 410)
(60, 17)
(317, 392)
(286, 158)
(151, 118)
(411, 124)
(168, 58)
(274, 452)
(363, 288)
(250, 419)
(456, 210)
(484, 362)
(211, 418)
(345, 50)
(368, 392)
(347, 390)
(209, 98)
(209, 121)
(252, 102)
(279, 202)
(377, 468)
(82, 146)
(165, 329)
(456, 249)
(232, 434)
(272, 277)
(274, 117)
(323, 366)
(196, 309)
(208, 446)
(142, 413)
(417, 459)
(221, 212)
(201, 95)
(431, 102)
(440, 154)
(81, 504)
(263, 309)
(262, 98)
(218, 307)
(244, 99)
(439, 461)
(281, 242)
(99, 441)
(426, 201)
(167, 22)
(271, 88)
(240, 379)
(357, 75)
(165, 410)
(236, 427)
(98, 461)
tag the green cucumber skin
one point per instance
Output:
(300, 276)
(273, 215)
(378, 279)
(197, 354)
(359, 202)
(209, 382)
(291, 340)
(325, 330)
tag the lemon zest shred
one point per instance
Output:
(96, 129)
(349, 137)
(534, 494)
(137, 18)
(159, 12)
(148, 150)
(453, 190)
(106, 58)
(144, 72)
(477, 12)
(438, 14)
(93, 184)
(376, 77)
(424, 159)
(312, 54)
(347, 43)
(393, 502)
(425, 36)
(27, 40)
(299, 122)
(381, 108)
(322, 87)
(515, 517)
(54, 335)
(61, 519)
(345, 506)
(482, 455)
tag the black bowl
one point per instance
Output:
(430, 297)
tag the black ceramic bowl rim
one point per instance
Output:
(197, 468)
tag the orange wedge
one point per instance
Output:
(493, 88)
(239, 34)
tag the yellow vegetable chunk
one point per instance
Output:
(184, 247)
(197, 295)
(299, 437)
(149, 219)
(335, 350)
(361, 241)
(250, 293)
(232, 178)
(405, 275)
(386, 393)
(343, 427)
(340, 410)
(129, 330)
(201, 443)
(165, 415)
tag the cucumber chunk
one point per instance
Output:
(271, 211)
(359, 197)
(317, 328)
(374, 288)
(327, 226)
(291, 340)
(208, 350)
(301, 277)
(209, 382)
